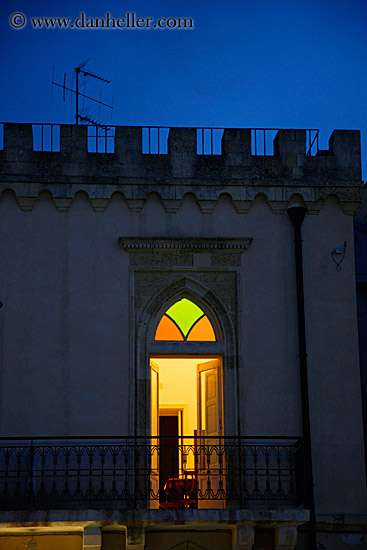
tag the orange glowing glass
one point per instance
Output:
(185, 321)
(202, 331)
(167, 330)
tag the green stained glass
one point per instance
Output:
(184, 313)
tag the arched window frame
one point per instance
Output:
(144, 348)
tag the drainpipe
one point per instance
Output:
(296, 214)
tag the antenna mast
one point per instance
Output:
(79, 70)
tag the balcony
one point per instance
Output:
(132, 472)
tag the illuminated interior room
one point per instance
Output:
(186, 395)
(187, 405)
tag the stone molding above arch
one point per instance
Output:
(133, 244)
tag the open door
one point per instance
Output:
(209, 398)
(210, 425)
(154, 422)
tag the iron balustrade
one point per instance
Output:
(52, 473)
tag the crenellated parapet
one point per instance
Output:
(236, 172)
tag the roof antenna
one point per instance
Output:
(80, 72)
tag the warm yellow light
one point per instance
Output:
(178, 394)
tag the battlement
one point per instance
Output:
(233, 161)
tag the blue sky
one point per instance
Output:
(300, 64)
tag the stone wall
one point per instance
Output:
(134, 175)
(74, 298)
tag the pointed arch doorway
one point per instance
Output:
(187, 406)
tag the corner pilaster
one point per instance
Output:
(244, 537)
(92, 538)
(135, 538)
(285, 538)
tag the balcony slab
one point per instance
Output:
(151, 518)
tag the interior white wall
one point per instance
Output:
(178, 387)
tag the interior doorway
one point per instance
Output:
(186, 410)
(169, 449)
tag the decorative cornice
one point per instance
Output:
(141, 244)
(207, 197)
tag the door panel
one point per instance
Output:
(211, 467)
(209, 398)
(212, 420)
(154, 398)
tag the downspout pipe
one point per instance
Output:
(297, 214)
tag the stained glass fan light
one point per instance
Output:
(185, 321)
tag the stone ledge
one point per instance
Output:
(57, 518)
(341, 523)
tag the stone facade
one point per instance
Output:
(94, 248)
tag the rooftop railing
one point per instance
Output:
(131, 472)
(155, 139)
(46, 137)
(101, 139)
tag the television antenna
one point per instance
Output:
(79, 72)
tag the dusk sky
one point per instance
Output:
(278, 63)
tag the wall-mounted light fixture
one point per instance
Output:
(338, 255)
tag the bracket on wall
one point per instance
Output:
(339, 253)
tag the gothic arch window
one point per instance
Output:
(149, 349)
(185, 321)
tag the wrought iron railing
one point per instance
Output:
(139, 472)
